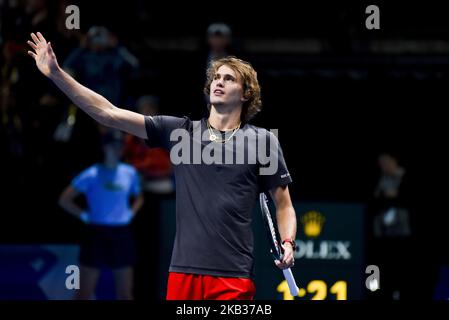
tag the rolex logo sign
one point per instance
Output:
(329, 232)
(313, 222)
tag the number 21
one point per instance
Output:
(319, 288)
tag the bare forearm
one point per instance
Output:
(286, 218)
(98, 107)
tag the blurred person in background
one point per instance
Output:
(391, 228)
(391, 200)
(156, 173)
(219, 44)
(108, 241)
(101, 63)
(153, 163)
(219, 41)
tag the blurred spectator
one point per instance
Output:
(108, 241)
(153, 163)
(392, 217)
(101, 63)
(157, 183)
(219, 40)
(219, 45)
(391, 247)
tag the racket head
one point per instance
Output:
(269, 227)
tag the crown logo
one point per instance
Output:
(313, 223)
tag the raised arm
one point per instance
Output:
(95, 105)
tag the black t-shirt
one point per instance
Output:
(215, 199)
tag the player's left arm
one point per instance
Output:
(286, 220)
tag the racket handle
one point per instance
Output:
(288, 275)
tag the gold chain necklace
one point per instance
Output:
(214, 138)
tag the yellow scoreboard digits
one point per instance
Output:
(340, 289)
(283, 288)
(318, 289)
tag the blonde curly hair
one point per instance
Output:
(250, 84)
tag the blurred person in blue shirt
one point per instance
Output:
(108, 188)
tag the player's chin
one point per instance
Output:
(216, 101)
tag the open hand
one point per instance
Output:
(43, 54)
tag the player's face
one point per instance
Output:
(226, 88)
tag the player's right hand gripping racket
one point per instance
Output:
(274, 243)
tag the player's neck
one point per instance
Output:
(224, 121)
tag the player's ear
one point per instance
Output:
(245, 96)
(244, 99)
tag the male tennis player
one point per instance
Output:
(213, 252)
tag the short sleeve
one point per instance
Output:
(273, 171)
(82, 181)
(159, 129)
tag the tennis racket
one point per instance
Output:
(274, 243)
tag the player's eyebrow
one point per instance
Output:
(224, 75)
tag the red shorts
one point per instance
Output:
(186, 286)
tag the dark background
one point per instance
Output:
(336, 107)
